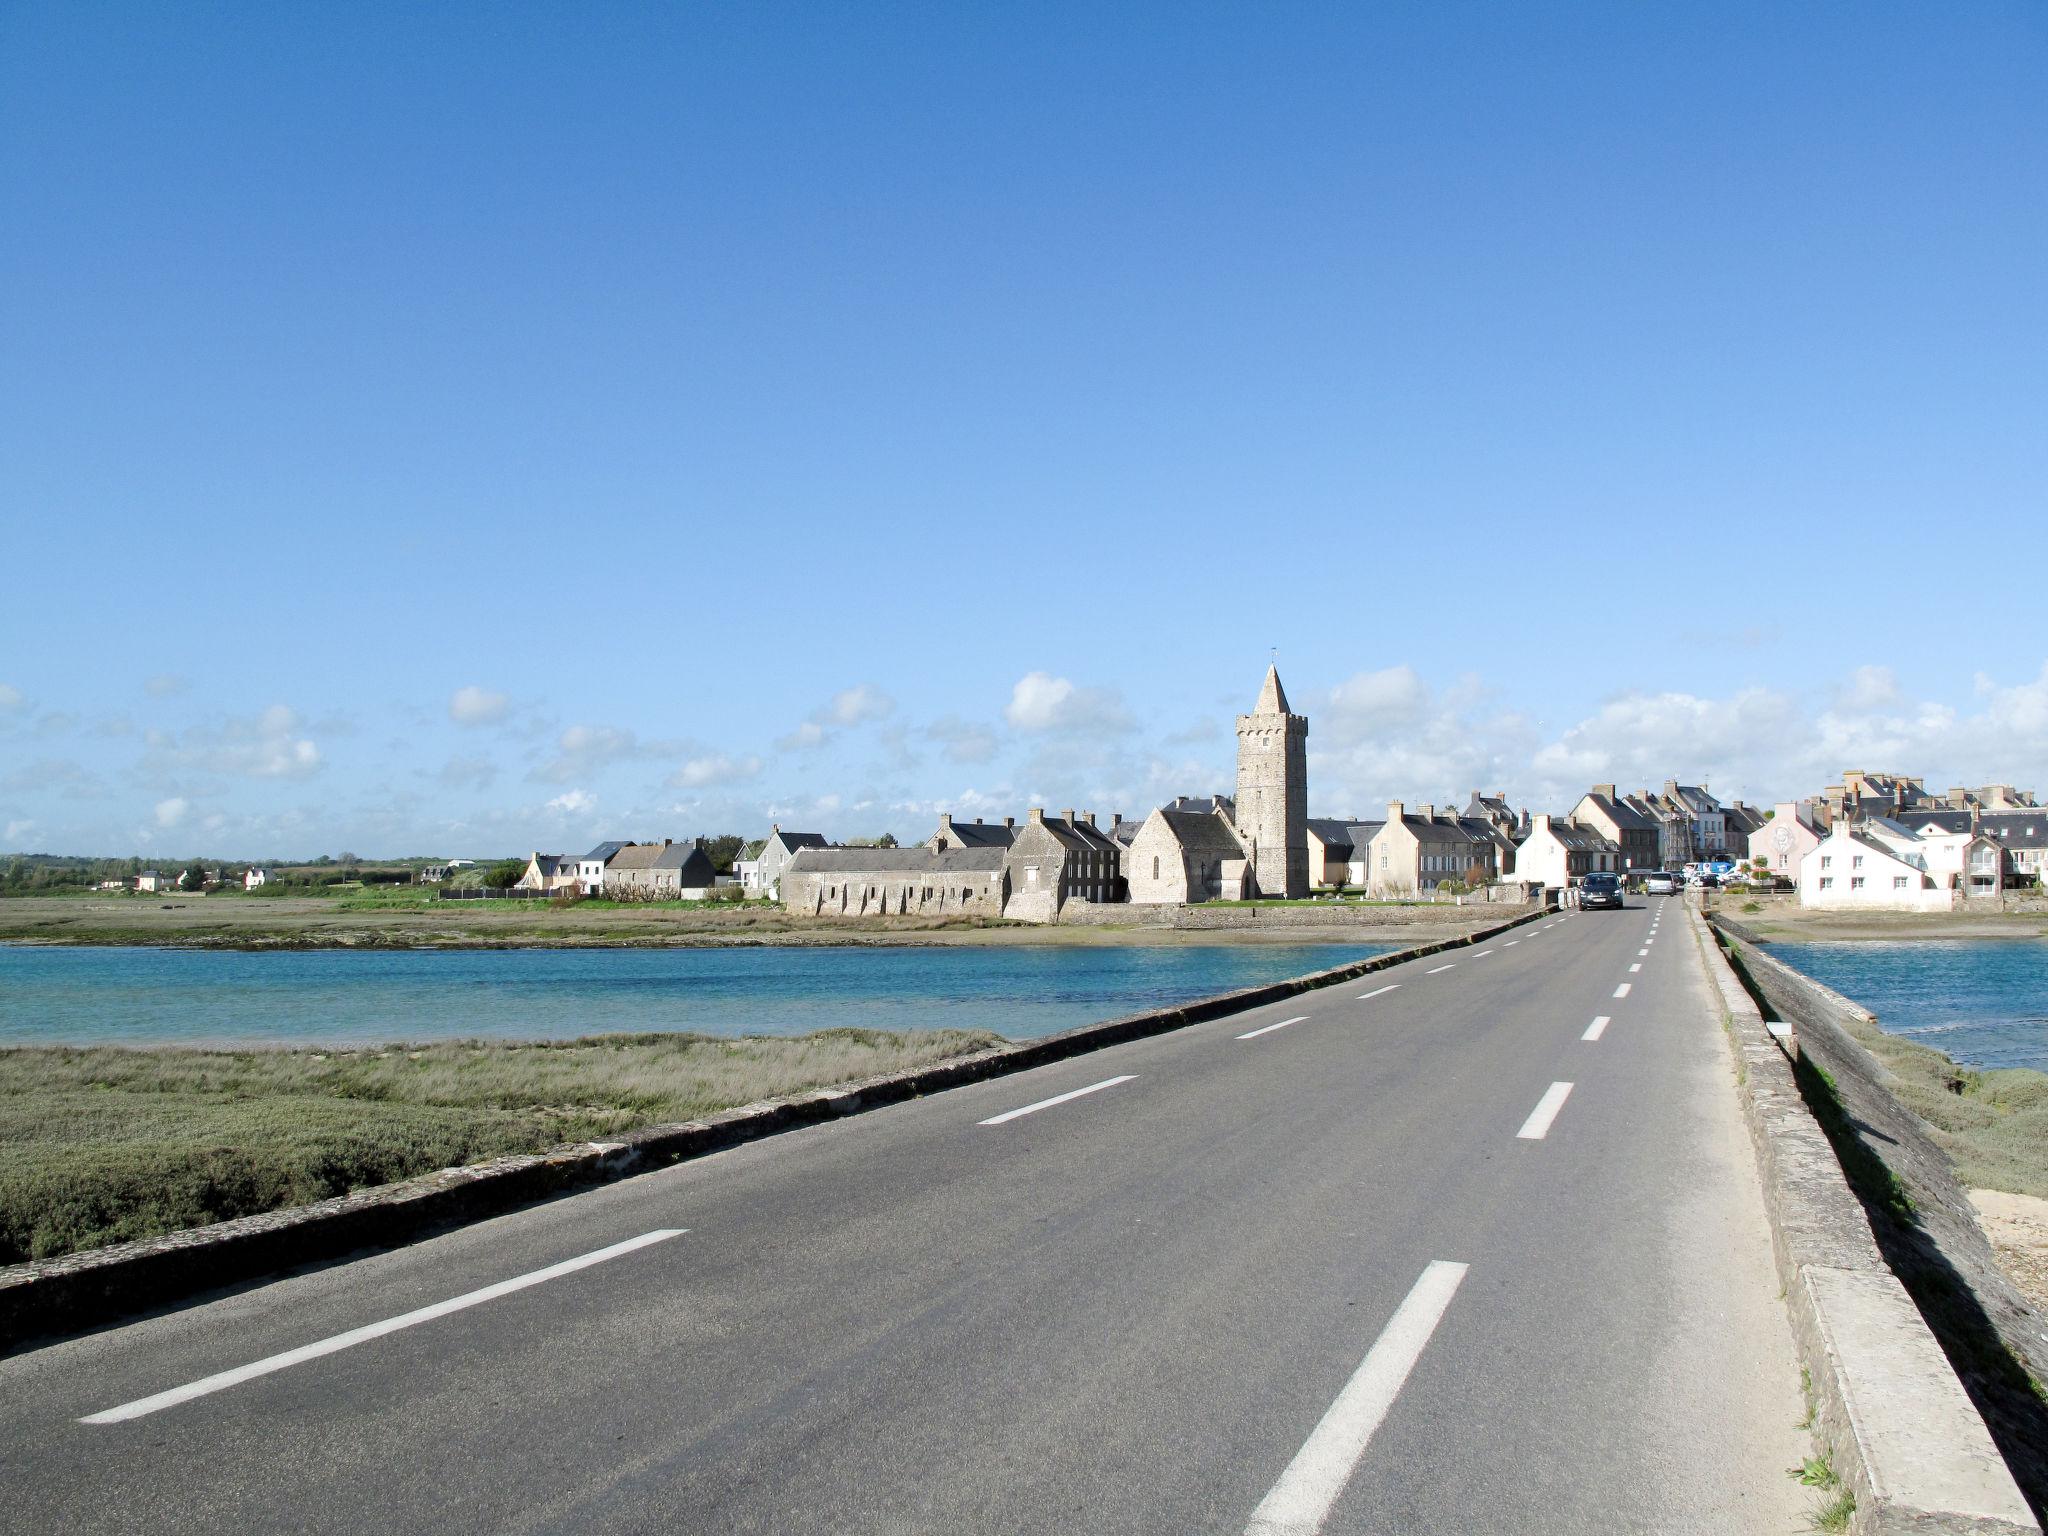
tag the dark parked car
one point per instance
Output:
(1601, 890)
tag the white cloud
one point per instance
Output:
(1870, 688)
(863, 702)
(1042, 702)
(716, 768)
(849, 707)
(11, 697)
(172, 811)
(575, 802)
(477, 706)
(805, 737)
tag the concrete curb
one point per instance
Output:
(1903, 1433)
(46, 1297)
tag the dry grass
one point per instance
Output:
(104, 1144)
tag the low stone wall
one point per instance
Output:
(1886, 1289)
(1330, 914)
(49, 1296)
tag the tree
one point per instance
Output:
(722, 850)
(193, 878)
(504, 874)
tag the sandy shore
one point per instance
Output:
(2018, 1228)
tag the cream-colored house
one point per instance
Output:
(548, 872)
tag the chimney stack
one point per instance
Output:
(1009, 821)
(1604, 791)
(1396, 811)
(1067, 815)
(1428, 812)
(1036, 815)
(1089, 817)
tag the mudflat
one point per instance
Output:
(326, 922)
(1781, 918)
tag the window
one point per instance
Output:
(1827, 861)
(1827, 882)
(1855, 882)
(1898, 882)
(1856, 862)
(1155, 866)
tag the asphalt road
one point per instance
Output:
(1369, 1270)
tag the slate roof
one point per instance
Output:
(1202, 805)
(2026, 828)
(1335, 834)
(904, 862)
(604, 853)
(1078, 835)
(1622, 814)
(553, 863)
(1445, 829)
(795, 840)
(1204, 830)
(983, 834)
(688, 858)
(1696, 801)
(1577, 839)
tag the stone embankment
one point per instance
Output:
(1261, 917)
(1894, 1294)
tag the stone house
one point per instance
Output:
(972, 834)
(1739, 823)
(1558, 852)
(1786, 836)
(663, 871)
(1602, 811)
(761, 874)
(1675, 846)
(1422, 849)
(590, 868)
(1054, 860)
(858, 882)
(548, 872)
(1186, 856)
(1709, 826)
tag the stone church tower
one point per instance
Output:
(1272, 791)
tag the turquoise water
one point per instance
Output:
(1982, 1001)
(141, 996)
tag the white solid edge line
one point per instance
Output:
(1441, 969)
(1253, 1034)
(355, 1336)
(1058, 1098)
(1380, 991)
(1597, 1028)
(1537, 1126)
(1622, 990)
(1298, 1504)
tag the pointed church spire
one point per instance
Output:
(1272, 697)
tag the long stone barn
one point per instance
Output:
(854, 882)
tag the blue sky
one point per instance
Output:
(461, 429)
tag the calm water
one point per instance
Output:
(1982, 1001)
(140, 996)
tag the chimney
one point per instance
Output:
(1089, 817)
(1009, 821)
(1067, 815)
(1428, 812)
(1540, 822)
(774, 827)
(1396, 810)
(977, 821)
(1604, 791)
(665, 842)
(945, 821)
(1036, 816)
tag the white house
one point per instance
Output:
(253, 877)
(1792, 831)
(1853, 867)
(153, 880)
(761, 876)
(1556, 853)
(590, 868)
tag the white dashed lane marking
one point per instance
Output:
(1058, 1098)
(1537, 1126)
(1597, 1028)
